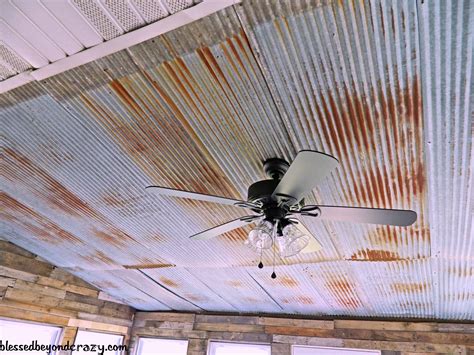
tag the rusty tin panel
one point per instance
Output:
(237, 288)
(155, 289)
(446, 32)
(347, 78)
(117, 287)
(402, 288)
(338, 285)
(293, 289)
(186, 285)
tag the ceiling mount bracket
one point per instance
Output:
(275, 168)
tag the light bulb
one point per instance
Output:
(292, 241)
(261, 236)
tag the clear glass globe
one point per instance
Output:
(292, 241)
(261, 236)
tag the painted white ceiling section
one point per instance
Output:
(37, 34)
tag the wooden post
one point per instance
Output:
(197, 347)
(281, 349)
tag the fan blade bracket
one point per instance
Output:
(250, 205)
(287, 199)
(310, 211)
(250, 218)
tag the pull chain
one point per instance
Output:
(275, 230)
(260, 264)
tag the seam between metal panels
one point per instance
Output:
(266, 292)
(170, 291)
(205, 285)
(144, 292)
(262, 72)
(433, 264)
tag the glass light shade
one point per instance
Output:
(292, 241)
(261, 236)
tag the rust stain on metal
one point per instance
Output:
(195, 298)
(384, 235)
(343, 292)
(113, 199)
(461, 272)
(20, 169)
(375, 255)
(250, 299)
(352, 126)
(126, 97)
(97, 257)
(111, 236)
(288, 281)
(238, 235)
(298, 300)
(403, 108)
(46, 230)
(234, 283)
(410, 287)
(304, 300)
(168, 282)
(210, 62)
(382, 19)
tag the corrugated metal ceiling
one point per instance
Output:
(385, 86)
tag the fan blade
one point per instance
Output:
(307, 170)
(166, 191)
(224, 228)
(368, 215)
(313, 245)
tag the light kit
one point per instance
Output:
(277, 201)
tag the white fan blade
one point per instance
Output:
(166, 191)
(368, 215)
(305, 172)
(224, 228)
(313, 244)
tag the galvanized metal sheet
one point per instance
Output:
(403, 287)
(202, 107)
(293, 289)
(339, 286)
(446, 33)
(117, 287)
(237, 288)
(188, 286)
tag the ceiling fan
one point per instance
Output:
(277, 200)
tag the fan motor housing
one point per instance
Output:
(261, 191)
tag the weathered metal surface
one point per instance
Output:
(446, 38)
(185, 284)
(237, 288)
(202, 107)
(293, 289)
